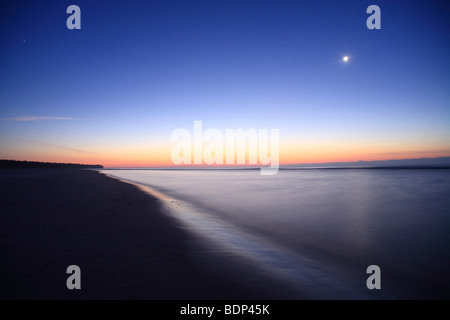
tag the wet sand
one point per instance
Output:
(119, 236)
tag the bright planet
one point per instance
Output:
(345, 59)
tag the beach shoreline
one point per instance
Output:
(119, 236)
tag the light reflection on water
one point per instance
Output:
(319, 228)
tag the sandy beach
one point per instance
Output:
(119, 236)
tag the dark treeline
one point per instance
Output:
(36, 164)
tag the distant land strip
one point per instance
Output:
(37, 164)
(441, 161)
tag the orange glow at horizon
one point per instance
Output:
(159, 155)
(289, 154)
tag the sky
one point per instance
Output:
(114, 91)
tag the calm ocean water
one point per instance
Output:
(319, 229)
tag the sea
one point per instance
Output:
(322, 230)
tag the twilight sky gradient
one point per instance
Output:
(113, 92)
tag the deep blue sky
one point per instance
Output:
(137, 70)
